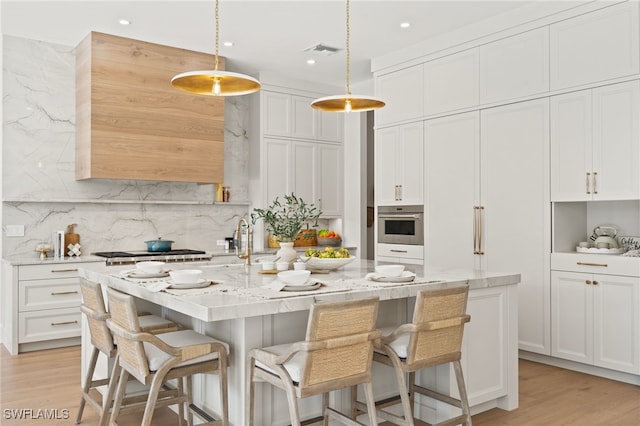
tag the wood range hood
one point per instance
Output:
(132, 124)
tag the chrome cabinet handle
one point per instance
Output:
(595, 182)
(398, 216)
(59, 293)
(64, 270)
(64, 323)
(588, 182)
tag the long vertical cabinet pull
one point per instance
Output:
(595, 182)
(588, 183)
(480, 222)
(477, 230)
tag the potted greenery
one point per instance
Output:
(285, 218)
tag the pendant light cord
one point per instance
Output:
(217, 34)
(348, 51)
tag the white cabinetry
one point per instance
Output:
(311, 170)
(595, 144)
(403, 253)
(292, 116)
(451, 82)
(596, 319)
(399, 165)
(596, 46)
(402, 93)
(515, 66)
(487, 202)
(41, 306)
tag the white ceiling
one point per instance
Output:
(267, 35)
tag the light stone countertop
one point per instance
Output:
(238, 294)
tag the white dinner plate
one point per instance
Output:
(140, 274)
(405, 277)
(302, 287)
(201, 283)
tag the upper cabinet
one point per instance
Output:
(402, 92)
(596, 46)
(288, 115)
(132, 124)
(399, 165)
(451, 82)
(515, 66)
(595, 144)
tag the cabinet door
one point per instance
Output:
(616, 141)
(616, 319)
(451, 82)
(410, 165)
(452, 146)
(329, 126)
(329, 182)
(276, 113)
(596, 46)
(277, 171)
(571, 146)
(515, 66)
(571, 316)
(304, 118)
(402, 92)
(516, 215)
(303, 170)
(385, 166)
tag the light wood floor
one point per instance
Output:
(548, 395)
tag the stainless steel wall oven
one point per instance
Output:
(401, 225)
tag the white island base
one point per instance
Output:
(248, 321)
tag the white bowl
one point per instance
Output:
(268, 266)
(282, 266)
(294, 277)
(150, 267)
(390, 270)
(185, 276)
(327, 264)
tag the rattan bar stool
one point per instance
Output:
(155, 359)
(434, 337)
(337, 353)
(94, 308)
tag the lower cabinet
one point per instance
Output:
(41, 306)
(402, 253)
(596, 319)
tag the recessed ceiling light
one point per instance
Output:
(228, 43)
(405, 25)
(311, 61)
(124, 22)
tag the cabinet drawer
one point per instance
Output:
(401, 251)
(596, 264)
(52, 294)
(48, 325)
(46, 272)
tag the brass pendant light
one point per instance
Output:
(347, 102)
(215, 82)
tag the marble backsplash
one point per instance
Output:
(39, 187)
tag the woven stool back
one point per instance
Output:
(438, 320)
(96, 313)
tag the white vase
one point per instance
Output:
(286, 253)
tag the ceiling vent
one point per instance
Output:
(323, 49)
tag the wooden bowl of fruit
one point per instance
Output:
(329, 238)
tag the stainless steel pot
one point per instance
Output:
(158, 245)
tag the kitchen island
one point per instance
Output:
(240, 310)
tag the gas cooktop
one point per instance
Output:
(129, 257)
